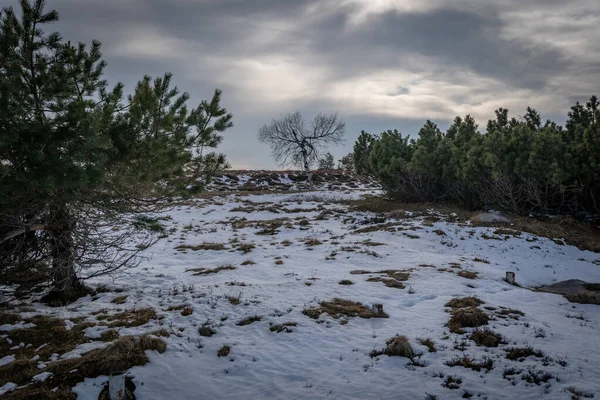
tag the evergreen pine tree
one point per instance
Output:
(75, 160)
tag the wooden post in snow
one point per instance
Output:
(510, 278)
(377, 308)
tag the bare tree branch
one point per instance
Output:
(292, 143)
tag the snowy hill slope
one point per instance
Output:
(248, 265)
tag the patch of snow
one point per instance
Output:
(42, 377)
(323, 358)
(7, 360)
(8, 387)
(18, 325)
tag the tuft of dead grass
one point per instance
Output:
(109, 335)
(224, 351)
(393, 279)
(346, 282)
(119, 356)
(429, 343)
(467, 274)
(206, 271)
(187, 310)
(360, 272)
(469, 317)
(119, 299)
(452, 382)
(521, 353)
(206, 331)
(462, 302)
(389, 282)
(486, 337)
(467, 362)
(235, 300)
(312, 242)
(509, 312)
(337, 308)
(246, 248)
(249, 320)
(203, 246)
(285, 327)
(584, 298)
(48, 336)
(129, 318)
(396, 346)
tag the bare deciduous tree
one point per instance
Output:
(293, 143)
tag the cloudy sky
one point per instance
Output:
(379, 63)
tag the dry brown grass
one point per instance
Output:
(396, 346)
(285, 327)
(360, 272)
(187, 310)
(467, 274)
(206, 331)
(312, 242)
(469, 317)
(246, 248)
(576, 233)
(507, 232)
(235, 300)
(452, 382)
(203, 246)
(394, 277)
(389, 282)
(337, 308)
(269, 227)
(429, 343)
(109, 335)
(206, 271)
(47, 331)
(509, 312)
(486, 337)
(584, 298)
(119, 300)
(129, 318)
(119, 356)
(175, 308)
(162, 332)
(388, 226)
(371, 243)
(346, 282)
(467, 362)
(248, 262)
(462, 302)
(521, 353)
(224, 351)
(398, 274)
(249, 320)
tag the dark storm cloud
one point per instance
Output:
(391, 63)
(454, 38)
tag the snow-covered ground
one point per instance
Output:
(301, 264)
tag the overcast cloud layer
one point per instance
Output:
(380, 63)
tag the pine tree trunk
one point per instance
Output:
(67, 286)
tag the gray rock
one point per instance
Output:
(571, 286)
(494, 217)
